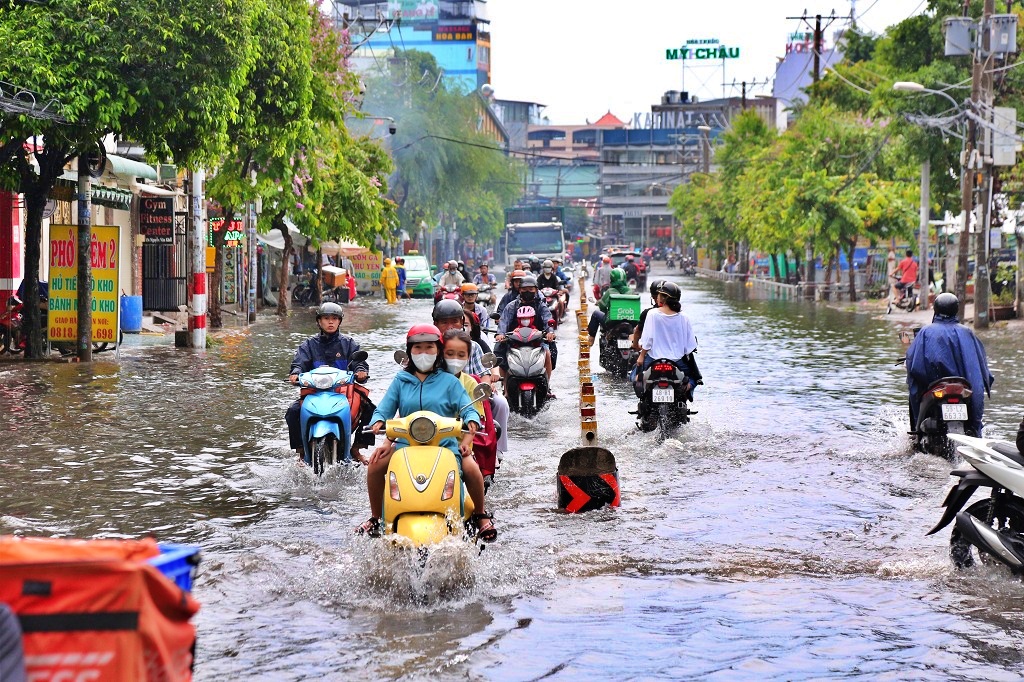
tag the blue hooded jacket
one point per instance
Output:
(440, 393)
(946, 348)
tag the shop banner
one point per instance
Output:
(62, 320)
(366, 267)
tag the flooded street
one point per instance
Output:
(781, 535)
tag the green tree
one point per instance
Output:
(445, 166)
(166, 75)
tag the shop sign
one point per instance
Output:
(62, 321)
(702, 48)
(235, 232)
(156, 219)
(460, 33)
(366, 267)
(409, 11)
(802, 42)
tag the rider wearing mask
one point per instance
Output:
(946, 348)
(548, 279)
(448, 315)
(618, 285)
(425, 385)
(513, 293)
(452, 277)
(529, 298)
(333, 349)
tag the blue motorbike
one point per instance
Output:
(326, 416)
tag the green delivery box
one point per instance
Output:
(624, 307)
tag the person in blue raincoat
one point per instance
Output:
(947, 348)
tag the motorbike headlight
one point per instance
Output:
(422, 429)
(323, 381)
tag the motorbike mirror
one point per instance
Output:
(551, 322)
(401, 357)
(359, 356)
(495, 316)
(489, 360)
(482, 391)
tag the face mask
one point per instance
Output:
(547, 271)
(455, 365)
(424, 362)
(527, 296)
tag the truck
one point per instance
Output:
(534, 232)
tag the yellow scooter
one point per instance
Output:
(425, 499)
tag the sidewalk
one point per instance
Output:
(922, 318)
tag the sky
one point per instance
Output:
(582, 58)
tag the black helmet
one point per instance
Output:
(447, 309)
(655, 285)
(670, 289)
(947, 304)
(330, 309)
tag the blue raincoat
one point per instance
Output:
(946, 348)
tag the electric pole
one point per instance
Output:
(981, 280)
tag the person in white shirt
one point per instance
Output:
(452, 277)
(669, 335)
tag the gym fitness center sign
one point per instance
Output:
(701, 49)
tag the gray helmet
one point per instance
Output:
(447, 309)
(946, 304)
(528, 281)
(330, 309)
(547, 264)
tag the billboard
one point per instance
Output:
(62, 320)
(413, 11)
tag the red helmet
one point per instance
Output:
(420, 333)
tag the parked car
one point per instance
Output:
(418, 281)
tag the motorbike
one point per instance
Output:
(486, 298)
(615, 349)
(450, 291)
(991, 529)
(526, 384)
(903, 300)
(304, 292)
(11, 340)
(426, 500)
(664, 390)
(555, 303)
(330, 407)
(670, 263)
(943, 412)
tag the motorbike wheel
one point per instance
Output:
(7, 344)
(323, 454)
(527, 406)
(913, 305)
(888, 309)
(1009, 515)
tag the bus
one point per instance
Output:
(534, 232)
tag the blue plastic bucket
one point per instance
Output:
(131, 314)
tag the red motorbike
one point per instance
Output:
(11, 338)
(451, 291)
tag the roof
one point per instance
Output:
(609, 119)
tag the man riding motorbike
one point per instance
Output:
(485, 276)
(516, 279)
(333, 349)
(946, 348)
(470, 292)
(425, 385)
(603, 275)
(548, 278)
(617, 285)
(560, 273)
(449, 314)
(630, 268)
(906, 271)
(507, 324)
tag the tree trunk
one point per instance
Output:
(36, 189)
(853, 273)
(318, 281)
(277, 222)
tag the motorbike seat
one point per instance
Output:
(1008, 450)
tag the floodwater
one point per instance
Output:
(781, 535)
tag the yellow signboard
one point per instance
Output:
(366, 267)
(63, 317)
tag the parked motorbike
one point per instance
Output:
(991, 529)
(902, 300)
(664, 390)
(11, 340)
(330, 407)
(304, 292)
(426, 499)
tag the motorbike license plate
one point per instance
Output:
(624, 343)
(954, 413)
(663, 395)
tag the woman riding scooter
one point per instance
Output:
(424, 385)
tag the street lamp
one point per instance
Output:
(911, 86)
(392, 126)
(707, 148)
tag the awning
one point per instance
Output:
(155, 191)
(275, 240)
(129, 168)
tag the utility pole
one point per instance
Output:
(743, 96)
(84, 331)
(198, 261)
(924, 289)
(981, 280)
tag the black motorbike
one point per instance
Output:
(945, 408)
(615, 346)
(664, 391)
(670, 263)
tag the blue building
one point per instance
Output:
(456, 33)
